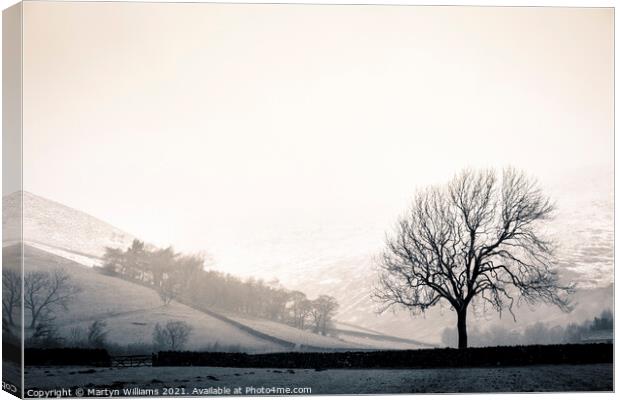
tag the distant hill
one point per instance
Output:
(60, 229)
(583, 229)
(351, 280)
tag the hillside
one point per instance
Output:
(340, 260)
(353, 279)
(294, 335)
(56, 235)
(131, 311)
(58, 229)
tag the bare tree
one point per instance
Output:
(45, 335)
(113, 260)
(77, 337)
(323, 309)
(11, 293)
(160, 263)
(169, 289)
(97, 333)
(44, 292)
(476, 238)
(187, 267)
(135, 260)
(300, 308)
(276, 304)
(171, 336)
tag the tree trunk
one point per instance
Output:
(462, 328)
(35, 317)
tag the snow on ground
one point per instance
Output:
(366, 342)
(290, 334)
(543, 378)
(354, 328)
(81, 259)
(368, 338)
(53, 224)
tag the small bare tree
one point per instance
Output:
(160, 263)
(169, 290)
(97, 334)
(45, 335)
(171, 336)
(300, 308)
(44, 292)
(323, 309)
(77, 337)
(11, 293)
(476, 238)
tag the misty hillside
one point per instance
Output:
(131, 311)
(332, 262)
(59, 235)
(353, 293)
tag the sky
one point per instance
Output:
(220, 127)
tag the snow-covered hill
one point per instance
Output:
(58, 229)
(339, 260)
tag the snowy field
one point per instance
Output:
(195, 380)
(294, 335)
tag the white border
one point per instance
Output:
(538, 3)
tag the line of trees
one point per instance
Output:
(182, 277)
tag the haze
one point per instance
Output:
(294, 130)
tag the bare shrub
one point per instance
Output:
(171, 336)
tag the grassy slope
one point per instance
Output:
(361, 342)
(131, 311)
(71, 234)
(368, 338)
(294, 335)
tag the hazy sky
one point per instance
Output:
(209, 126)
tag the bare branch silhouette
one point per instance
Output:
(44, 292)
(11, 293)
(477, 237)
